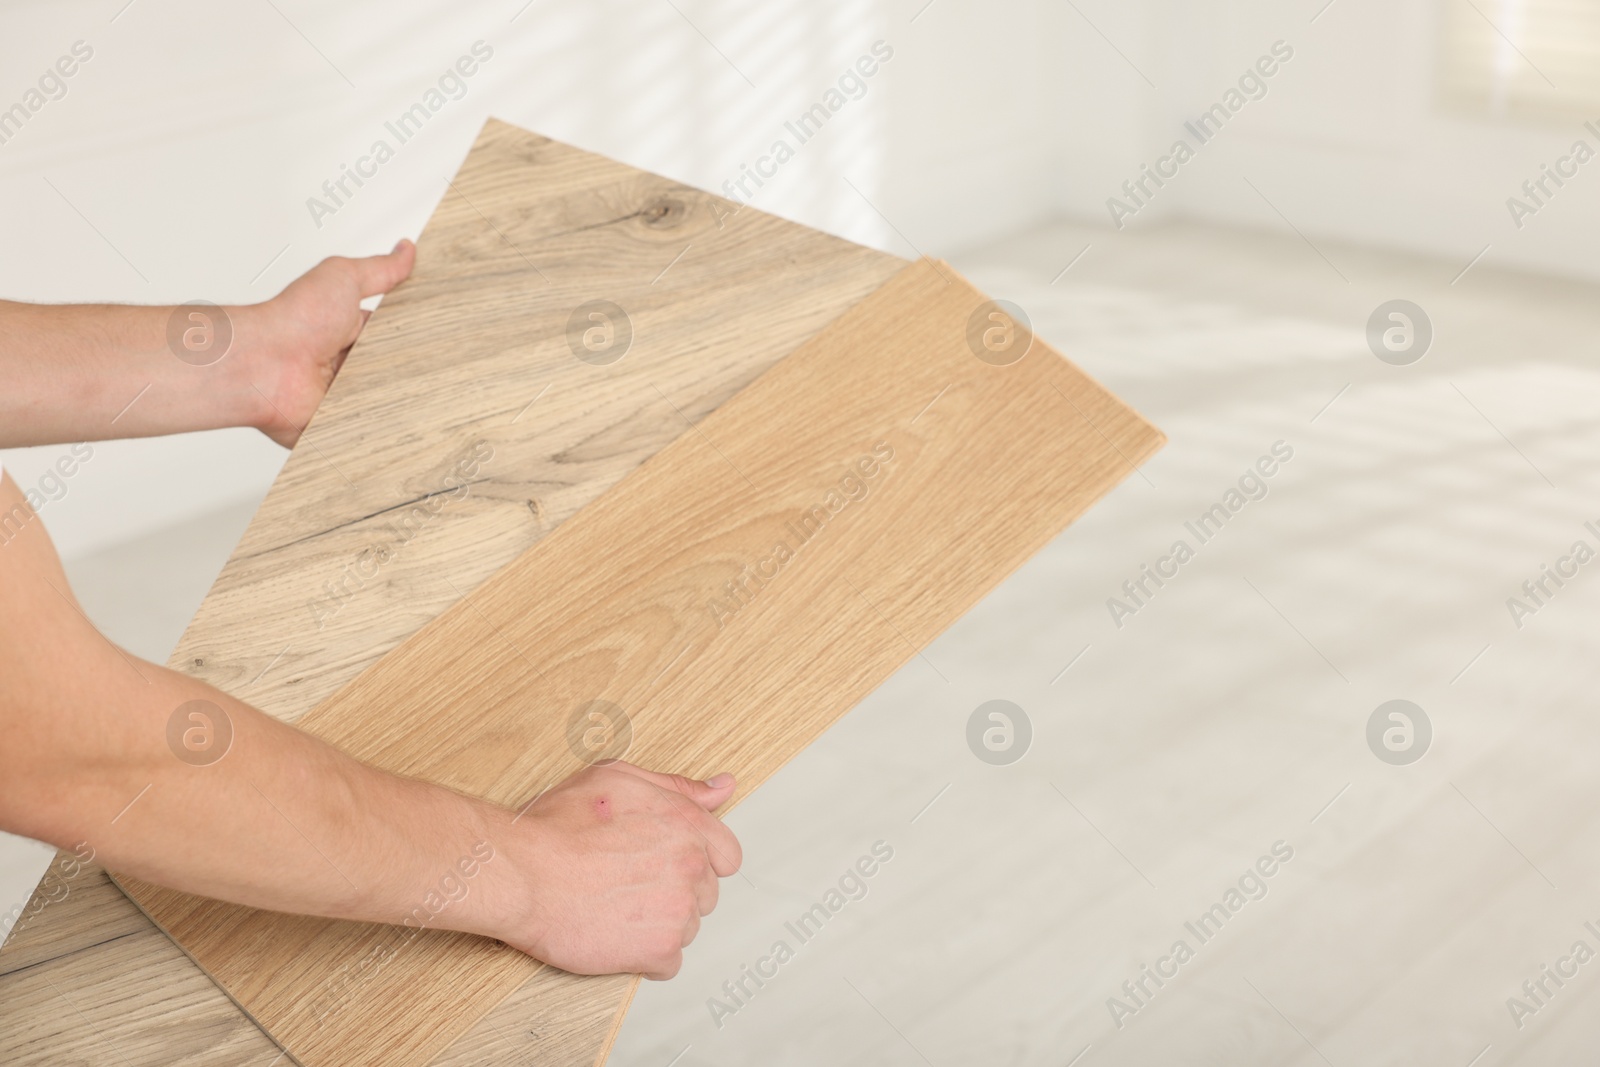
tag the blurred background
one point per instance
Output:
(1398, 149)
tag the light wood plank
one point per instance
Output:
(79, 1009)
(902, 476)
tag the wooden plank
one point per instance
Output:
(528, 229)
(472, 349)
(78, 1012)
(744, 588)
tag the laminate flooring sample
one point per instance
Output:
(733, 597)
(720, 607)
(362, 540)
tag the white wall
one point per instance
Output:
(1349, 143)
(194, 136)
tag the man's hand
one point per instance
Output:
(610, 871)
(297, 341)
(617, 865)
(89, 372)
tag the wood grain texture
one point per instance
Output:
(528, 229)
(471, 349)
(744, 588)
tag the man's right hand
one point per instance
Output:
(612, 869)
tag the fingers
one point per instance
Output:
(667, 968)
(708, 796)
(705, 895)
(379, 274)
(352, 337)
(691, 930)
(722, 847)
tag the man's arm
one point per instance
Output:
(610, 871)
(89, 372)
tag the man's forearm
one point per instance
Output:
(93, 372)
(166, 778)
(169, 779)
(279, 821)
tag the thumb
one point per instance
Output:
(714, 791)
(709, 795)
(379, 274)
